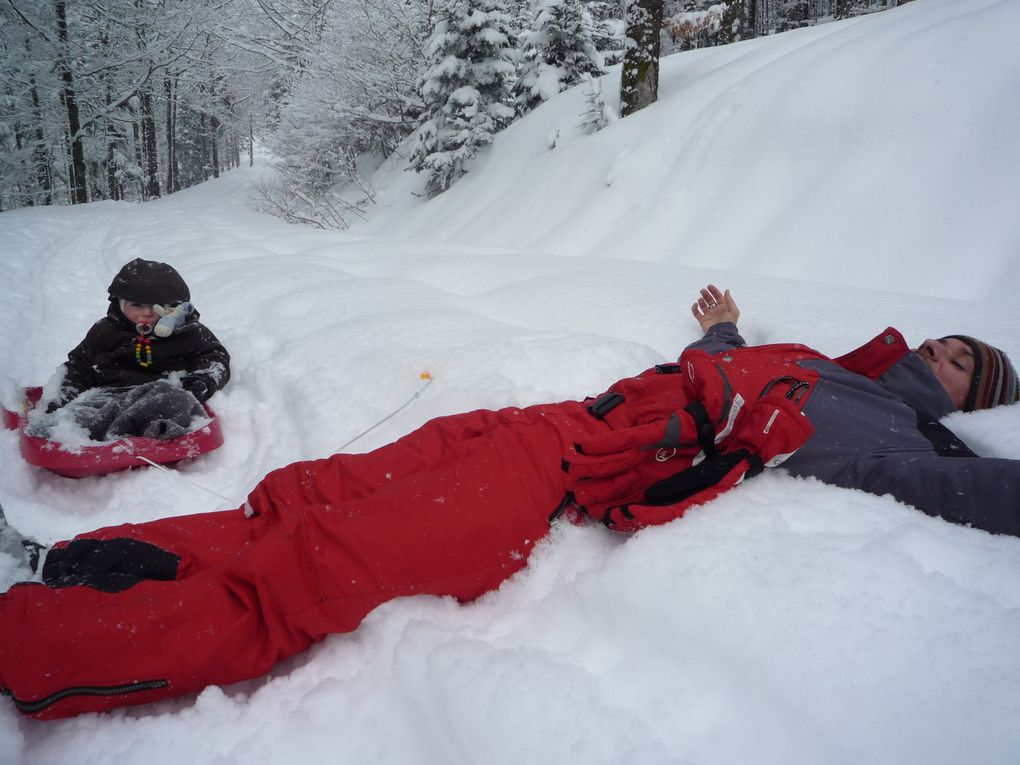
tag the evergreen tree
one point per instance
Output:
(609, 30)
(558, 52)
(466, 89)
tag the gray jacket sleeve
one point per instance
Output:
(721, 337)
(982, 492)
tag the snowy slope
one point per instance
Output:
(787, 622)
(871, 152)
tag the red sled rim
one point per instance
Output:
(109, 457)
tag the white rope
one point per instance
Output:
(183, 478)
(428, 381)
(425, 376)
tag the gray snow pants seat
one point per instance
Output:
(156, 409)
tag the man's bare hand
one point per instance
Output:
(713, 307)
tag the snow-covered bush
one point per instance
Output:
(598, 114)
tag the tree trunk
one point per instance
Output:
(114, 138)
(139, 160)
(149, 141)
(40, 157)
(203, 144)
(173, 179)
(639, 82)
(79, 190)
(214, 145)
(764, 17)
(251, 138)
(111, 169)
(20, 190)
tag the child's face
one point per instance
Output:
(140, 313)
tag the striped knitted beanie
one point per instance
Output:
(994, 380)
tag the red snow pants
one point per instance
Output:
(453, 508)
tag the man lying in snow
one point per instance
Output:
(136, 613)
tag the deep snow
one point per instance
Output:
(838, 179)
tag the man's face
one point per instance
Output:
(952, 363)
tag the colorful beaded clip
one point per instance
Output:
(146, 342)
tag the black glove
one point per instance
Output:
(197, 387)
(68, 393)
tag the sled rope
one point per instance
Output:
(424, 376)
(183, 478)
(428, 381)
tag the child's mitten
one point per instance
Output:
(197, 387)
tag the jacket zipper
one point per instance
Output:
(30, 707)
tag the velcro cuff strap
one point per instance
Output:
(693, 480)
(705, 428)
(604, 404)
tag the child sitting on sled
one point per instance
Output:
(144, 369)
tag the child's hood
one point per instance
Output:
(149, 281)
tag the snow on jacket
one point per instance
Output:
(875, 413)
(107, 357)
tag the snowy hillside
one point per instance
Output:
(838, 179)
(865, 152)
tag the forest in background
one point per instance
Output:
(135, 99)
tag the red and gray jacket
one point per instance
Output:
(875, 414)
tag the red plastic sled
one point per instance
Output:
(113, 456)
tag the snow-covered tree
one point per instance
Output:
(639, 80)
(609, 31)
(598, 114)
(96, 98)
(356, 93)
(557, 52)
(466, 89)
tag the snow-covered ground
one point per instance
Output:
(838, 179)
